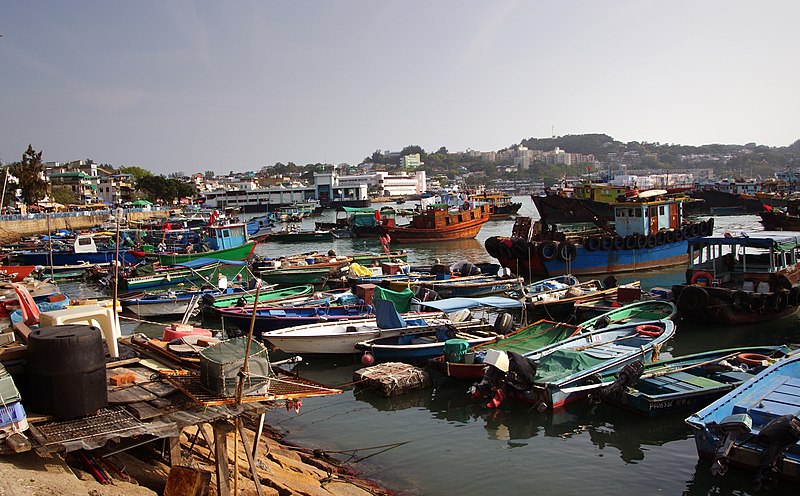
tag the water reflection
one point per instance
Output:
(517, 423)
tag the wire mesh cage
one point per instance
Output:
(221, 364)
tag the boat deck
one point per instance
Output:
(783, 398)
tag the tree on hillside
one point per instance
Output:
(63, 195)
(167, 190)
(136, 172)
(411, 149)
(30, 173)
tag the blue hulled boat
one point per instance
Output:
(83, 249)
(274, 318)
(648, 232)
(756, 425)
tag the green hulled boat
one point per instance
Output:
(241, 252)
(229, 300)
(292, 276)
(532, 337)
(171, 276)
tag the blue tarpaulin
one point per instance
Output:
(453, 304)
(201, 262)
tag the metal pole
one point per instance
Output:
(116, 270)
(5, 182)
(50, 245)
(243, 372)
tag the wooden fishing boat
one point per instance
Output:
(242, 297)
(546, 332)
(500, 204)
(648, 233)
(640, 311)
(84, 249)
(163, 303)
(340, 338)
(368, 259)
(274, 318)
(755, 426)
(224, 242)
(199, 270)
(438, 223)
(567, 371)
(302, 275)
(470, 286)
(686, 382)
(787, 219)
(301, 236)
(741, 279)
(15, 273)
(560, 303)
(531, 337)
(416, 346)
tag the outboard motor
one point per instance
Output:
(626, 377)
(729, 430)
(610, 281)
(780, 433)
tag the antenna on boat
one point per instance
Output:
(50, 248)
(116, 268)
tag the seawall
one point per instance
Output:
(13, 230)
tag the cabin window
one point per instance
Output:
(84, 241)
(661, 210)
(638, 212)
(226, 233)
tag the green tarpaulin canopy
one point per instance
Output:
(401, 299)
(141, 203)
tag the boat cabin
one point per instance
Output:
(647, 217)
(758, 262)
(440, 216)
(227, 236)
(600, 192)
(84, 243)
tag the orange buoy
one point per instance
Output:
(650, 330)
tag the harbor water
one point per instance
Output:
(439, 442)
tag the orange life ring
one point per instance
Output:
(752, 359)
(706, 275)
(728, 235)
(650, 330)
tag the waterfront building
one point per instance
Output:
(116, 189)
(82, 184)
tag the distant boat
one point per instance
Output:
(163, 303)
(224, 242)
(438, 223)
(648, 233)
(83, 250)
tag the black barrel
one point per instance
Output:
(66, 371)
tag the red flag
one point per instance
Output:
(768, 208)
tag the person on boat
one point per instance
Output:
(506, 373)
(222, 281)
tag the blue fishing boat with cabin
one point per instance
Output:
(755, 426)
(83, 249)
(649, 232)
(225, 242)
(273, 318)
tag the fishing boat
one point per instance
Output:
(781, 219)
(15, 273)
(470, 366)
(624, 297)
(193, 271)
(438, 222)
(546, 332)
(560, 303)
(273, 318)
(224, 242)
(470, 286)
(741, 279)
(340, 338)
(244, 297)
(755, 426)
(648, 233)
(83, 249)
(163, 303)
(374, 259)
(500, 204)
(686, 382)
(296, 235)
(419, 345)
(315, 274)
(636, 312)
(567, 371)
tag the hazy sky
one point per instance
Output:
(235, 85)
